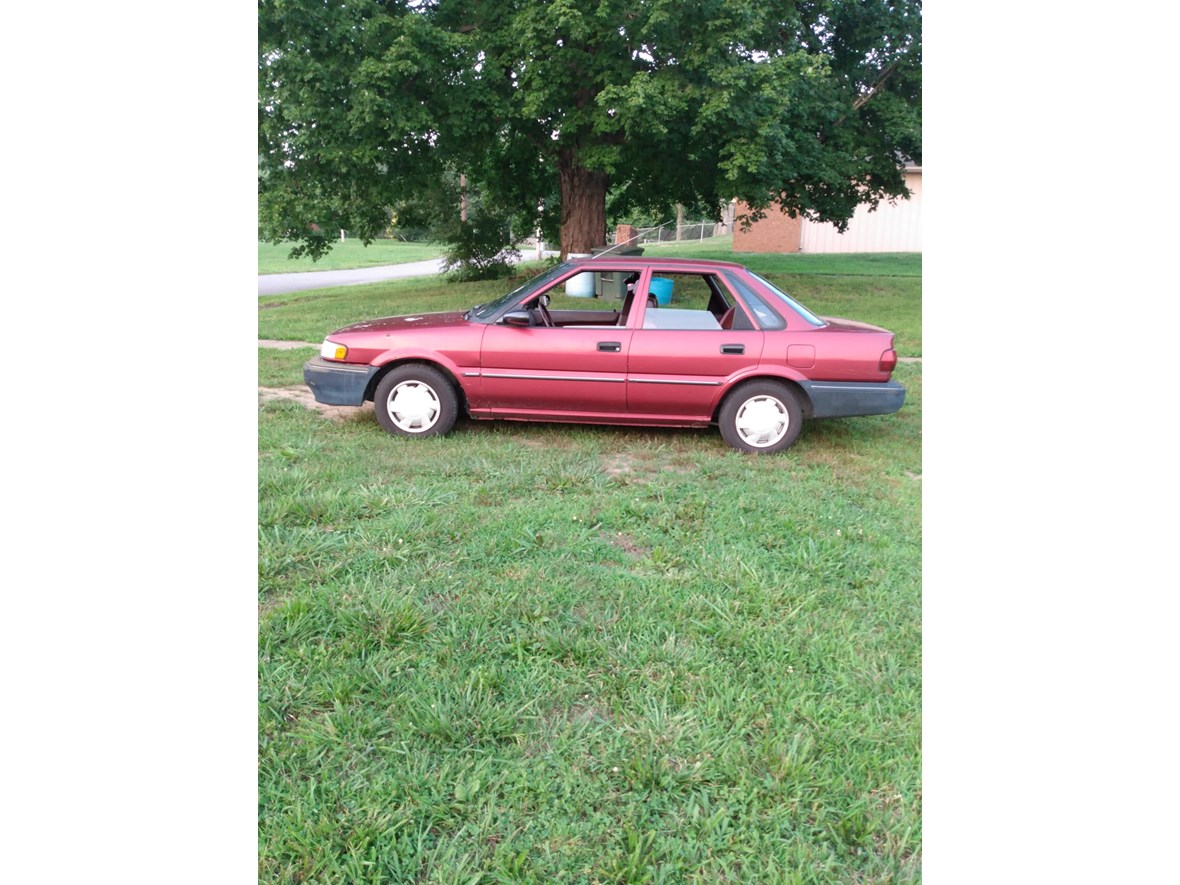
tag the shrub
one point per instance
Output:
(476, 250)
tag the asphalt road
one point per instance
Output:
(279, 283)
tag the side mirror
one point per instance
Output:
(517, 318)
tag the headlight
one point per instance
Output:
(330, 350)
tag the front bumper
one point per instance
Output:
(847, 399)
(338, 384)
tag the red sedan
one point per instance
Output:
(641, 341)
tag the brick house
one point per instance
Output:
(893, 227)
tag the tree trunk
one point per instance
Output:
(583, 205)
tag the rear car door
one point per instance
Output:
(681, 355)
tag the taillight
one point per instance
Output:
(888, 360)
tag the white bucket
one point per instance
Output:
(581, 285)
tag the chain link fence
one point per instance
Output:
(689, 231)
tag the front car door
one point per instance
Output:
(574, 370)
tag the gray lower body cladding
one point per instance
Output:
(847, 399)
(338, 384)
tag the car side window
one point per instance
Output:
(795, 305)
(767, 318)
(583, 300)
(691, 301)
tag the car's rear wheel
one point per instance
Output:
(416, 400)
(761, 417)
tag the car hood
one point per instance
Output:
(410, 321)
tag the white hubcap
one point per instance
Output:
(413, 406)
(762, 421)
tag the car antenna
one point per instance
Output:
(642, 233)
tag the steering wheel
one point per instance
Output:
(543, 311)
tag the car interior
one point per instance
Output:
(697, 301)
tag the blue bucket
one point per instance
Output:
(661, 287)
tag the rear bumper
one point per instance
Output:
(338, 384)
(847, 399)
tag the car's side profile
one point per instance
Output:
(640, 341)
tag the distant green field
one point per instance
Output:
(902, 264)
(346, 255)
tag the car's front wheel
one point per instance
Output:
(416, 400)
(761, 417)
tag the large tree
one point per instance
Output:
(545, 106)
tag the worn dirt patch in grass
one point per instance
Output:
(628, 545)
(286, 345)
(304, 397)
(684, 467)
(642, 467)
(619, 464)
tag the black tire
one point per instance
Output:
(428, 405)
(761, 417)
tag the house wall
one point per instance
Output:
(895, 227)
(777, 232)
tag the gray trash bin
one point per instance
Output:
(613, 284)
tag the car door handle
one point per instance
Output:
(733, 348)
(610, 346)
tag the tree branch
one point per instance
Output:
(876, 87)
(873, 90)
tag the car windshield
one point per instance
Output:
(481, 313)
(795, 305)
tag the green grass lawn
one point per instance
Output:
(351, 253)
(887, 264)
(535, 653)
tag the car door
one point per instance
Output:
(563, 371)
(530, 370)
(680, 356)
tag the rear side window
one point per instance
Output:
(795, 305)
(767, 318)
